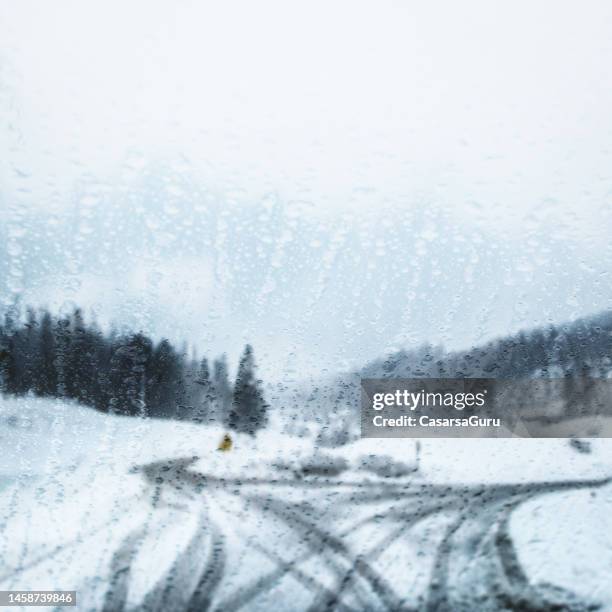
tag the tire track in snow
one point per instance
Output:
(475, 565)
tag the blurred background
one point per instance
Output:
(329, 183)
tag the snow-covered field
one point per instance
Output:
(149, 515)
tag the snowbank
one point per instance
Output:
(131, 512)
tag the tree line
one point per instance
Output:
(125, 373)
(576, 359)
(581, 349)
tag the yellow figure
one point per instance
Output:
(226, 443)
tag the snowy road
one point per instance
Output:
(468, 563)
(149, 516)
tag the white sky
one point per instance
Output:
(505, 105)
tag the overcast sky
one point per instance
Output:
(399, 172)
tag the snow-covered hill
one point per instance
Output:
(149, 515)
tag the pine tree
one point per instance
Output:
(46, 384)
(204, 409)
(249, 411)
(104, 354)
(162, 381)
(180, 401)
(141, 349)
(6, 354)
(30, 352)
(128, 375)
(61, 334)
(10, 352)
(222, 391)
(81, 360)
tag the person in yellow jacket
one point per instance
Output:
(226, 443)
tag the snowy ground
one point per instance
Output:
(150, 516)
